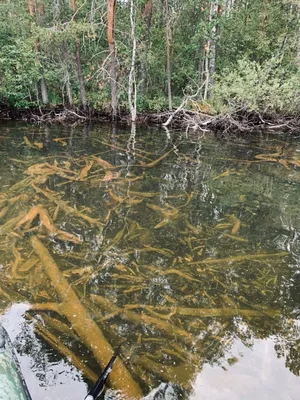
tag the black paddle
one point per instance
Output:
(98, 387)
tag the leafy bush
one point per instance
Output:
(264, 88)
(19, 71)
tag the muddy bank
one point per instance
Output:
(238, 122)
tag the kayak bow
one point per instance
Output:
(12, 383)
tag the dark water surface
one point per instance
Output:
(184, 250)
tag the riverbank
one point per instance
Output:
(238, 122)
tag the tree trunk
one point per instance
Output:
(168, 39)
(294, 10)
(83, 100)
(132, 78)
(44, 91)
(31, 7)
(92, 12)
(56, 11)
(147, 16)
(210, 60)
(206, 69)
(67, 85)
(201, 65)
(264, 16)
(80, 76)
(220, 11)
(42, 82)
(112, 51)
(298, 50)
(213, 38)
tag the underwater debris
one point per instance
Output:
(84, 325)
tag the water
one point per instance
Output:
(183, 249)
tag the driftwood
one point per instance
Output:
(207, 312)
(66, 208)
(11, 224)
(56, 115)
(47, 223)
(237, 122)
(169, 329)
(84, 325)
(243, 257)
(155, 162)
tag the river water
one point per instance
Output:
(182, 248)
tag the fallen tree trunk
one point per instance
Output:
(168, 328)
(82, 323)
(206, 312)
(242, 257)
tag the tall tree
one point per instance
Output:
(78, 63)
(147, 18)
(168, 45)
(215, 11)
(132, 79)
(111, 4)
(162, 47)
(32, 6)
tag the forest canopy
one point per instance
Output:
(147, 55)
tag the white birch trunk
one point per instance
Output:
(132, 78)
(298, 40)
(168, 40)
(68, 87)
(210, 60)
(44, 92)
(212, 57)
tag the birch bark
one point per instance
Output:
(82, 92)
(132, 78)
(111, 4)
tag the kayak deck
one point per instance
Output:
(12, 383)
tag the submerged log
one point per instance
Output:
(84, 325)
(242, 257)
(46, 222)
(208, 312)
(108, 167)
(64, 206)
(3, 212)
(181, 374)
(155, 162)
(168, 328)
(11, 224)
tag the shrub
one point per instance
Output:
(20, 72)
(266, 88)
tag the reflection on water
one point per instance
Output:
(247, 374)
(48, 376)
(184, 250)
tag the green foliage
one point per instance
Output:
(155, 104)
(245, 36)
(255, 31)
(254, 87)
(99, 98)
(19, 73)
